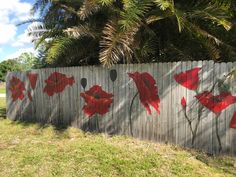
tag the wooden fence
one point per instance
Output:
(195, 100)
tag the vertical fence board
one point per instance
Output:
(191, 112)
(199, 135)
(173, 117)
(159, 82)
(233, 131)
(223, 118)
(228, 114)
(215, 145)
(178, 109)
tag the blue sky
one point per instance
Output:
(14, 39)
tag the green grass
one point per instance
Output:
(2, 88)
(33, 150)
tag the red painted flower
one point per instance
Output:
(97, 101)
(147, 89)
(29, 96)
(233, 121)
(216, 103)
(57, 82)
(33, 79)
(188, 79)
(183, 102)
(17, 88)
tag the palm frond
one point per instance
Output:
(116, 45)
(79, 52)
(133, 13)
(165, 4)
(214, 14)
(80, 31)
(89, 7)
(40, 6)
(47, 36)
(70, 9)
(36, 31)
(58, 47)
(207, 40)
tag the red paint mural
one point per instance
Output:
(147, 90)
(189, 78)
(97, 101)
(233, 121)
(217, 103)
(17, 88)
(33, 79)
(183, 102)
(29, 96)
(57, 82)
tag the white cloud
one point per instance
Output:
(1, 50)
(16, 8)
(22, 40)
(7, 32)
(11, 13)
(20, 51)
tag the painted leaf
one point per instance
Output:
(189, 78)
(83, 82)
(57, 82)
(147, 89)
(97, 101)
(113, 75)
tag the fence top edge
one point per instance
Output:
(130, 64)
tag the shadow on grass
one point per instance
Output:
(58, 128)
(3, 113)
(224, 163)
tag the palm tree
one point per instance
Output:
(28, 61)
(117, 31)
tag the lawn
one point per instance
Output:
(2, 88)
(33, 150)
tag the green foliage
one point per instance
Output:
(134, 31)
(28, 61)
(24, 62)
(7, 66)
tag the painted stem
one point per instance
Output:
(188, 119)
(217, 132)
(200, 108)
(97, 121)
(130, 114)
(113, 101)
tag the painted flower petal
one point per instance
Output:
(97, 101)
(217, 103)
(189, 79)
(33, 79)
(49, 90)
(233, 121)
(57, 82)
(183, 102)
(17, 89)
(97, 91)
(148, 92)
